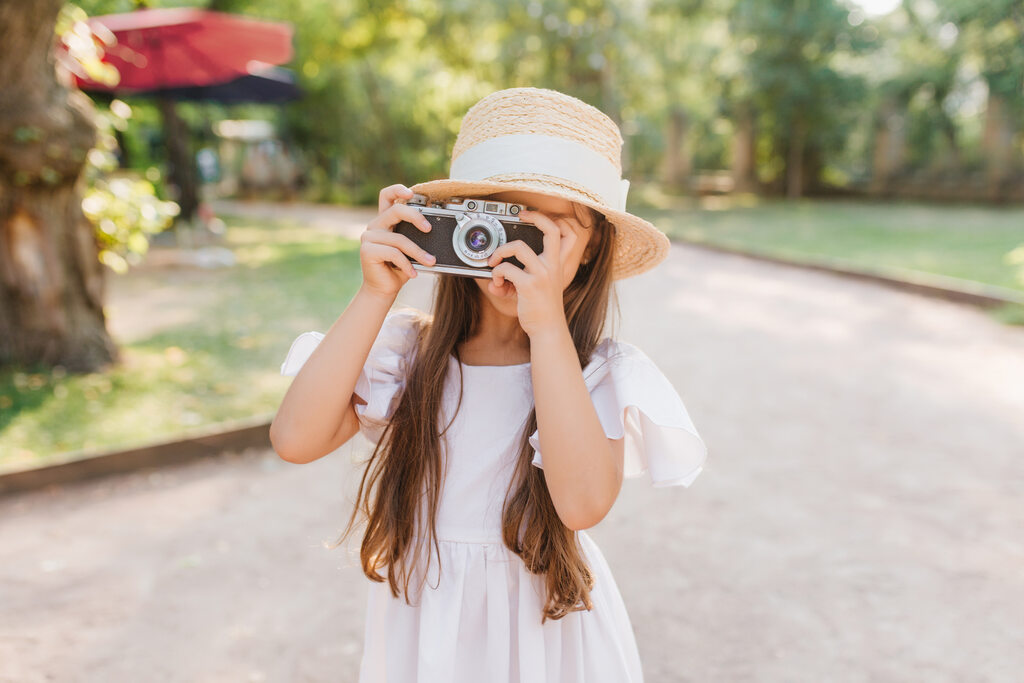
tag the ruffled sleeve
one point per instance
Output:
(634, 400)
(382, 377)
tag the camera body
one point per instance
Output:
(465, 232)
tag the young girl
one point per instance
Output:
(503, 423)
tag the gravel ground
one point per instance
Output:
(860, 518)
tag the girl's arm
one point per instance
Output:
(582, 466)
(317, 414)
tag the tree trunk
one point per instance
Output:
(51, 281)
(611, 104)
(889, 147)
(677, 150)
(813, 166)
(949, 162)
(744, 176)
(997, 143)
(795, 159)
(179, 155)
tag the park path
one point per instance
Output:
(860, 517)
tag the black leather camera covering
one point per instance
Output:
(439, 240)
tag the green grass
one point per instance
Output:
(222, 363)
(962, 241)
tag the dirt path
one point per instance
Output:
(860, 517)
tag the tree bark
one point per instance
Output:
(813, 166)
(795, 159)
(677, 152)
(179, 154)
(611, 105)
(51, 281)
(997, 143)
(744, 176)
(889, 147)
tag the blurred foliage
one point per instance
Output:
(1016, 258)
(123, 208)
(388, 81)
(73, 31)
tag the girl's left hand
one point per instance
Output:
(540, 286)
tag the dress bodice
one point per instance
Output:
(481, 446)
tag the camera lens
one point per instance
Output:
(475, 237)
(478, 239)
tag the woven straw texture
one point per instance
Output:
(639, 246)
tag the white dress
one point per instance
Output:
(478, 616)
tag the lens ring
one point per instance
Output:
(475, 238)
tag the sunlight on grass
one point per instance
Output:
(969, 242)
(222, 364)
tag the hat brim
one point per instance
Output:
(639, 246)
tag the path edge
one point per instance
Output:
(214, 440)
(927, 284)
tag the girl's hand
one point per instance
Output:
(539, 288)
(383, 254)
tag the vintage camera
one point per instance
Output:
(465, 232)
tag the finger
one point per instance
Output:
(391, 193)
(500, 286)
(568, 240)
(503, 291)
(380, 253)
(401, 242)
(398, 213)
(506, 271)
(552, 233)
(518, 248)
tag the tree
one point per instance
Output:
(994, 32)
(789, 71)
(51, 281)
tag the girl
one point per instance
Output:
(503, 422)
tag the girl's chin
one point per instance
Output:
(507, 305)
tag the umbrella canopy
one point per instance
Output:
(182, 47)
(268, 85)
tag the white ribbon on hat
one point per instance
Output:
(544, 154)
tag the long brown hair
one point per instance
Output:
(406, 464)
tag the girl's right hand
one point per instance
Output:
(383, 254)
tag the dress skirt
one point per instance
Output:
(478, 620)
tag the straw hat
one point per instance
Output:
(544, 141)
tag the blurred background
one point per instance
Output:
(182, 185)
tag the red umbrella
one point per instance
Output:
(177, 47)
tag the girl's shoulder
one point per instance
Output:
(401, 327)
(394, 345)
(613, 358)
(636, 401)
(397, 342)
